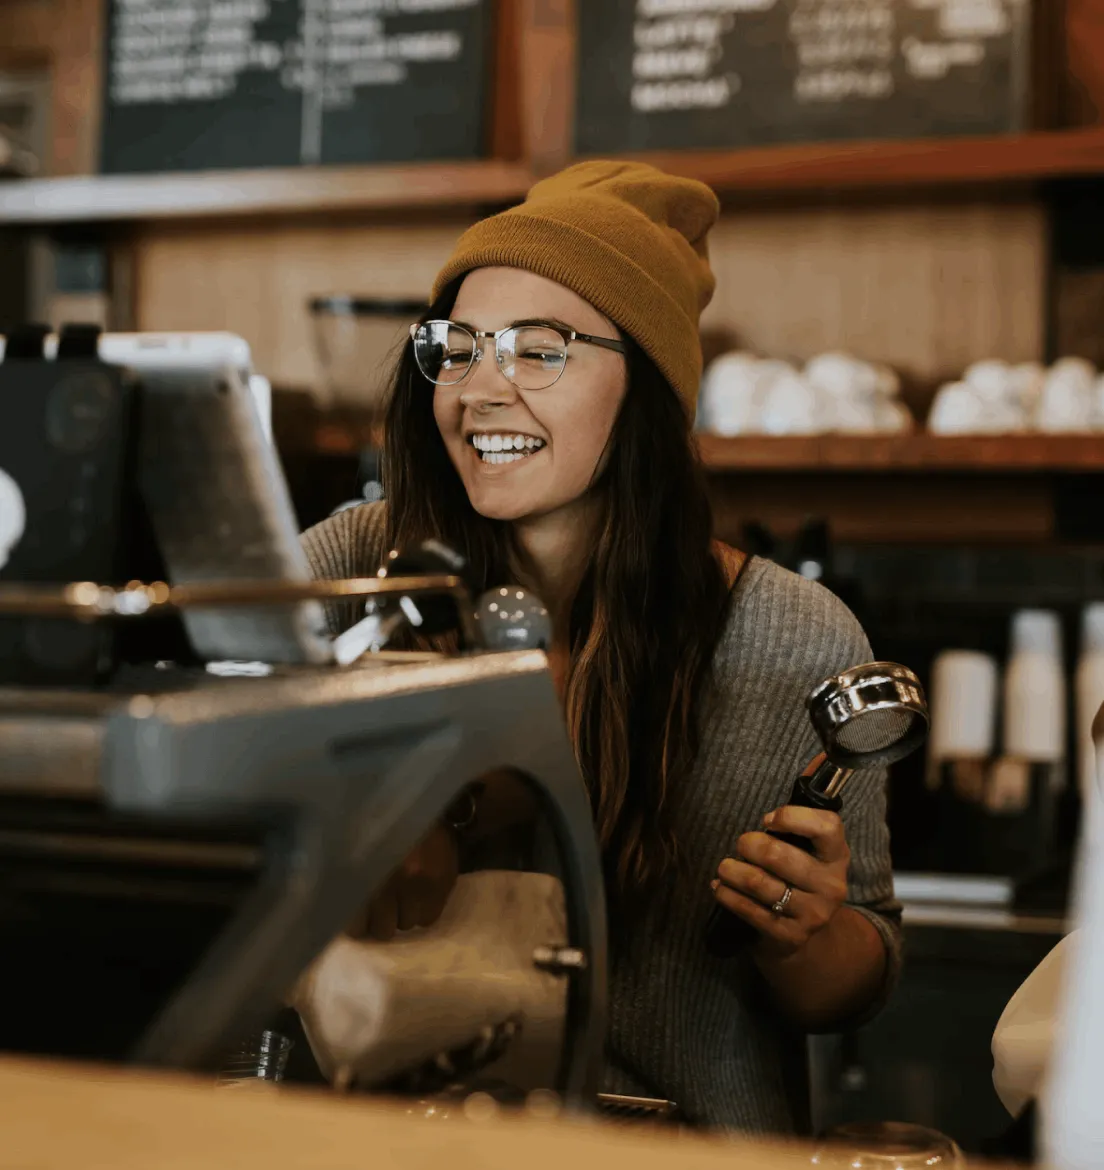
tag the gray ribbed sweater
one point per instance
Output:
(685, 1026)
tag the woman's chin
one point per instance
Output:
(504, 502)
(499, 506)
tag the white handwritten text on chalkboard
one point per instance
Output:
(665, 74)
(201, 83)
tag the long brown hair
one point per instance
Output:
(645, 619)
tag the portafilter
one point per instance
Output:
(872, 714)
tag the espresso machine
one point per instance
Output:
(197, 791)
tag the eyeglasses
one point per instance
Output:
(531, 356)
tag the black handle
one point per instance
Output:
(725, 934)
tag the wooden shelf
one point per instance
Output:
(919, 452)
(304, 431)
(928, 162)
(214, 194)
(819, 166)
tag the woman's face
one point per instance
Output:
(570, 421)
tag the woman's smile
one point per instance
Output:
(501, 449)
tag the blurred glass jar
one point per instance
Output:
(887, 1145)
(260, 1059)
(359, 340)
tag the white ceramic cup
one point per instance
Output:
(1068, 399)
(991, 381)
(791, 404)
(963, 705)
(729, 404)
(956, 410)
(1035, 689)
(13, 516)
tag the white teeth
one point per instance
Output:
(502, 457)
(501, 448)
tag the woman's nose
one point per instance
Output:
(486, 385)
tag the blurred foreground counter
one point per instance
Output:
(131, 1122)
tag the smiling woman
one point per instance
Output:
(541, 424)
(570, 417)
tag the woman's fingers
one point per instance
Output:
(823, 829)
(781, 928)
(793, 866)
(758, 879)
(756, 883)
(811, 910)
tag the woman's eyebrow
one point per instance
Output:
(555, 321)
(527, 321)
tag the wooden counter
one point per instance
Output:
(60, 1117)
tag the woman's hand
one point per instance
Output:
(757, 878)
(416, 893)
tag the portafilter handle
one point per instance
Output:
(872, 692)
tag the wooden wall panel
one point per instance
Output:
(78, 82)
(1079, 313)
(67, 37)
(27, 29)
(1084, 83)
(547, 95)
(257, 281)
(926, 288)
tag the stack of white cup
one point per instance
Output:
(1032, 705)
(834, 393)
(995, 398)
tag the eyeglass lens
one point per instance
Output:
(530, 356)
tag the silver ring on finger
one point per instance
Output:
(779, 908)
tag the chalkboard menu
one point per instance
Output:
(686, 74)
(197, 84)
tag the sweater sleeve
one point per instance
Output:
(351, 543)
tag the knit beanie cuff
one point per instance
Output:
(597, 271)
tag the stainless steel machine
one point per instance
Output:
(269, 796)
(334, 774)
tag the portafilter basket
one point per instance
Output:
(871, 714)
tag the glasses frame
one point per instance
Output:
(568, 336)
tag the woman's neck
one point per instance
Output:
(553, 551)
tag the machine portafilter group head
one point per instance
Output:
(506, 618)
(871, 714)
(430, 614)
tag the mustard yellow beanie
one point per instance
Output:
(626, 237)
